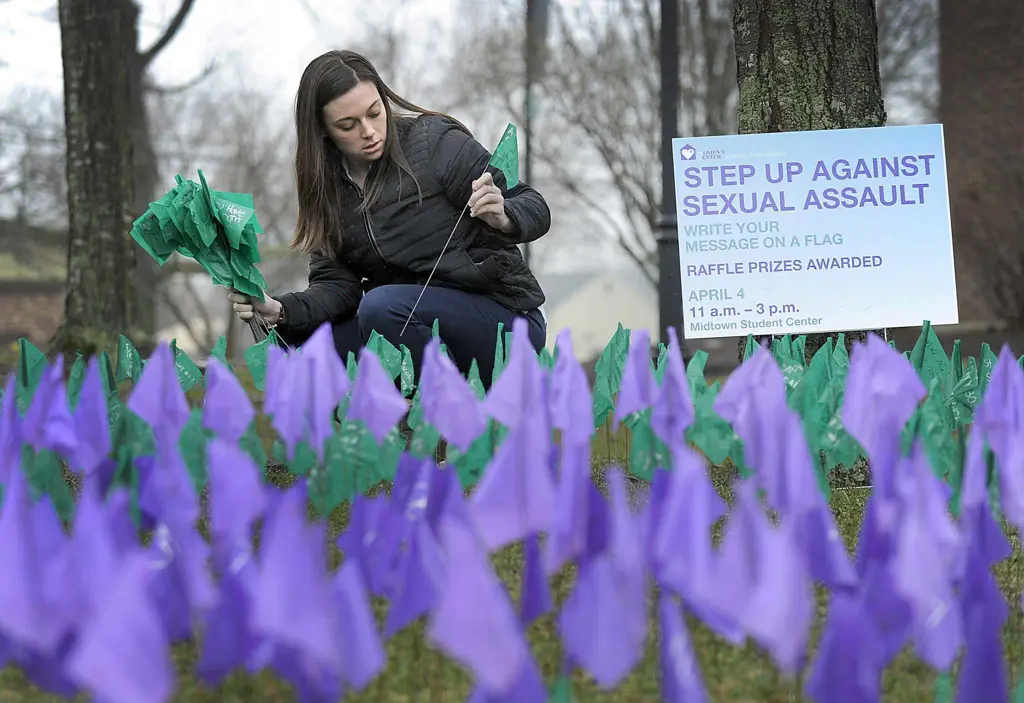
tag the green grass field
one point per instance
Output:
(38, 262)
(416, 672)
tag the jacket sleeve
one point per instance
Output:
(459, 159)
(333, 294)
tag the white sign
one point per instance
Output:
(800, 232)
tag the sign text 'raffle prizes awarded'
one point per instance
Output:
(801, 232)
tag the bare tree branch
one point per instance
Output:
(173, 27)
(201, 307)
(193, 82)
(601, 91)
(170, 299)
(908, 38)
(32, 146)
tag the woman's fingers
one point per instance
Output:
(241, 304)
(489, 201)
(482, 187)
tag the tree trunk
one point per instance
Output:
(145, 176)
(806, 65)
(98, 39)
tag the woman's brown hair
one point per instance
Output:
(318, 165)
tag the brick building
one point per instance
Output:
(982, 101)
(33, 273)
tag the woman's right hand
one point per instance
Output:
(245, 306)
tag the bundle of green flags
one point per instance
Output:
(215, 228)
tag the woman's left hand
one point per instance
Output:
(488, 204)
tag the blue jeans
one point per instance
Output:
(468, 324)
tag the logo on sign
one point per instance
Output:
(688, 153)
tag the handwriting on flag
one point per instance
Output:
(506, 156)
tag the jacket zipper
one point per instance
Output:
(369, 228)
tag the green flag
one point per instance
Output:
(75, 380)
(129, 361)
(929, 358)
(506, 156)
(189, 374)
(31, 366)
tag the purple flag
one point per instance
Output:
(373, 540)
(1000, 411)
(418, 574)
(875, 552)
(158, 398)
(570, 397)
(680, 672)
(119, 514)
(122, 655)
(518, 394)
(927, 545)
(536, 593)
(166, 492)
(445, 494)
(681, 552)
(528, 688)
(980, 530)
(449, 404)
(639, 387)
(47, 672)
(775, 444)
(604, 620)
(91, 560)
(25, 616)
(375, 399)
(237, 498)
(473, 620)
(764, 573)
(882, 392)
(673, 411)
(92, 422)
(567, 534)
(753, 401)
(181, 582)
(328, 384)
(277, 376)
(228, 640)
(227, 410)
(48, 423)
(1000, 418)
(363, 647)
(287, 404)
(571, 406)
(45, 667)
(814, 525)
(516, 495)
(293, 602)
(983, 675)
(1011, 482)
(847, 667)
(10, 433)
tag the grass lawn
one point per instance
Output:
(742, 675)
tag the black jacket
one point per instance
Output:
(400, 238)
